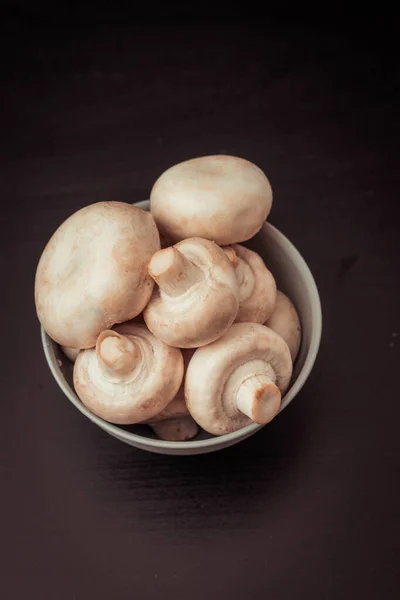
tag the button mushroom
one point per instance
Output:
(197, 297)
(174, 422)
(257, 287)
(180, 429)
(285, 321)
(130, 376)
(93, 272)
(222, 198)
(238, 379)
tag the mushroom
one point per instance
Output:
(197, 297)
(222, 198)
(70, 353)
(285, 321)
(257, 287)
(130, 376)
(93, 272)
(176, 430)
(238, 379)
(174, 422)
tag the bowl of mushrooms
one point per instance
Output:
(183, 324)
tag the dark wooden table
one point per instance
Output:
(309, 507)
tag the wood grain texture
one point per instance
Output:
(308, 508)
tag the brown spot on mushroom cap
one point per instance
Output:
(222, 198)
(93, 272)
(132, 396)
(286, 322)
(247, 353)
(203, 312)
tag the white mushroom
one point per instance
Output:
(93, 272)
(196, 300)
(222, 198)
(176, 430)
(130, 376)
(238, 379)
(257, 287)
(285, 321)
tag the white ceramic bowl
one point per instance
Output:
(293, 277)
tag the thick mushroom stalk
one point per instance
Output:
(118, 354)
(286, 322)
(130, 376)
(258, 397)
(238, 379)
(173, 272)
(93, 272)
(197, 297)
(257, 287)
(222, 198)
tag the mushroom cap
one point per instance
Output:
(207, 308)
(93, 272)
(222, 198)
(118, 393)
(70, 353)
(257, 287)
(176, 430)
(219, 375)
(286, 322)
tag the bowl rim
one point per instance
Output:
(136, 439)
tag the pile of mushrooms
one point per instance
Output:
(182, 334)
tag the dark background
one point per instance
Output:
(96, 103)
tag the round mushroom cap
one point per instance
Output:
(196, 300)
(286, 322)
(221, 198)
(257, 287)
(130, 376)
(93, 272)
(238, 379)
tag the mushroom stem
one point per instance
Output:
(118, 354)
(173, 272)
(259, 398)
